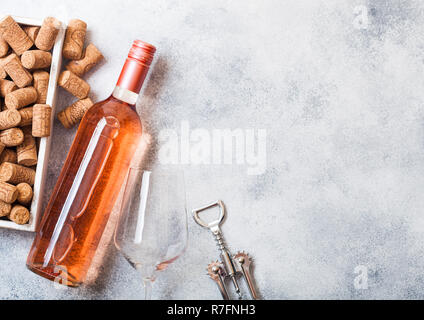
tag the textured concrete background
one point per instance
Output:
(342, 103)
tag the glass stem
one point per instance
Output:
(148, 285)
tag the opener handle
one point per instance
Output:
(217, 274)
(243, 264)
(222, 288)
(213, 225)
(248, 277)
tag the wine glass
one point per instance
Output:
(152, 229)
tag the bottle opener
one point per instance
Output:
(230, 266)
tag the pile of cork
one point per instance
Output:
(71, 80)
(25, 53)
(25, 60)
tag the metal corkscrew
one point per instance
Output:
(230, 266)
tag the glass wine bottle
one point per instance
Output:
(91, 178)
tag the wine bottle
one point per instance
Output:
(91, 178)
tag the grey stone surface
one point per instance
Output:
(342, 104)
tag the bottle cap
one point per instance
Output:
(136, 67)
(142, 52)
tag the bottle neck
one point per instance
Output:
(130, 81)
(125, 95)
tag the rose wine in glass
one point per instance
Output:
(91, 178)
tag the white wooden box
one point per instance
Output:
(44, 145)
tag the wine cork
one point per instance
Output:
(2, 59)
(19, 214)
(92, 57)
(41, 120)
(13, 67)
(3, 73)
(74, 39)
(5, 208)
(7, 86)
(24, 193)
(26, 116)
(32, 32)
(36, 59)
(74, 84)
(21, 98)
(4, 47)
(74, 113)
(14, 35)
(8, 192)
(11, 137)
(41, 84)
(27, 151)
(15, 174)
(47, 35)
(8, 155)
(9, 119)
